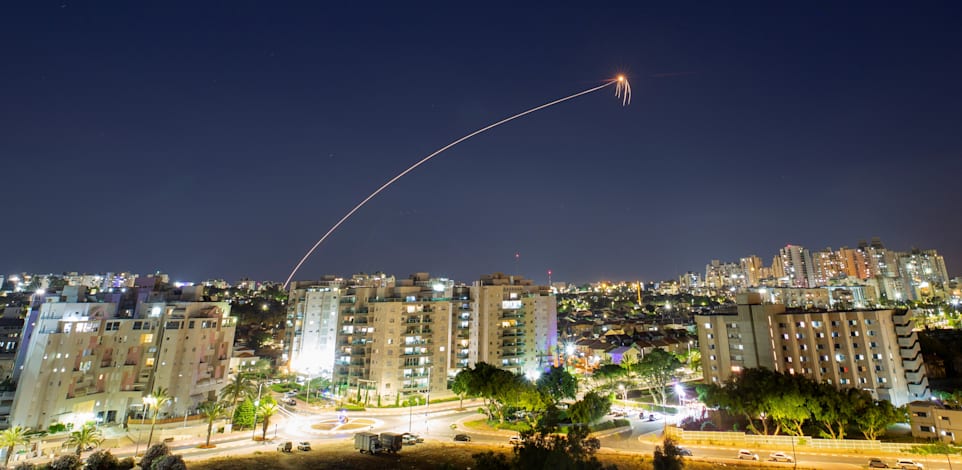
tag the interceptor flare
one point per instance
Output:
(622, 90)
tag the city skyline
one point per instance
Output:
(222, 143)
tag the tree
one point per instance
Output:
(589, 409)
(66, 462)
(833, 409)
(264, 412)
(156, 400)
(541, 450)
(668, 456)
(658, 369)
(558, 384)
(155, 453)
(87, 436)
(789, 408)
(101, 460)
(608, 374)
(460, 386)
(239, 388)
(170, 462)
(873, 418)
(244, 414)
(212, 411)
(11, 438)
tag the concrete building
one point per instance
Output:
(95, 361)
(875, 350)
(924, 274)
(516, 325)
(406, 337)
(795, 266)
(932, 420)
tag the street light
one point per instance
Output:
(151, 401)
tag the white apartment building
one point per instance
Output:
(410, 336)
(516, 323)
(932, 420)
(91, 361)
(875, 350)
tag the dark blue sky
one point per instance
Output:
(222, 139)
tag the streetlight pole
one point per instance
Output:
(151, 401)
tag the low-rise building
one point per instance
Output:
(932, 420)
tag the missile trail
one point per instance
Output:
(622, 90)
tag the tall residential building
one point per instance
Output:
(95, 361)
(854, 263)
(724, 276)
(796, 266)
(754, 270)
(404, 337)
(827, 265)
(875, 350)
(924, 273)
(516, 325)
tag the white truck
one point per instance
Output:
(367, 442)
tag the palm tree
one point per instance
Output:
(265, 411)
(212, 411)
(11, 438)
(156, 400)
(87, 436)
(238, 389)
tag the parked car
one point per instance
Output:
(514, 440)
(409, 439)
(684, 451)
(462, 437)
(780, 457)
(747, 455)
(292, 402)
(906, 464)
(285, 446)
(304, 445)
(876, 462)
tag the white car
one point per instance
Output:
(906, 464)
(514, 440)
(780, 457)
(747, 455)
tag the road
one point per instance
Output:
(317, 425)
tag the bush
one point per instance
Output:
(101, 460)
(57, 427)
(66, 462)
(170, 462)
(126, 463)
(25, 466)
(156, 453)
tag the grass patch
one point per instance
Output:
(616, 423)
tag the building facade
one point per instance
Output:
(94, 361)
(392, 340)
(931, 420)
(875, 350)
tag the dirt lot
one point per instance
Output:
(426, 456)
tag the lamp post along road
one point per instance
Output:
(151, 402)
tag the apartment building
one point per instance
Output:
(875, 350)
(933, 420)
(395, 340)
(409, 336)
(516, 325)
(95, 361)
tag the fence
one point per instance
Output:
(740, 439)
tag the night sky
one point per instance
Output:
(222, 139)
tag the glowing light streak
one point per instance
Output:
(622, 90)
